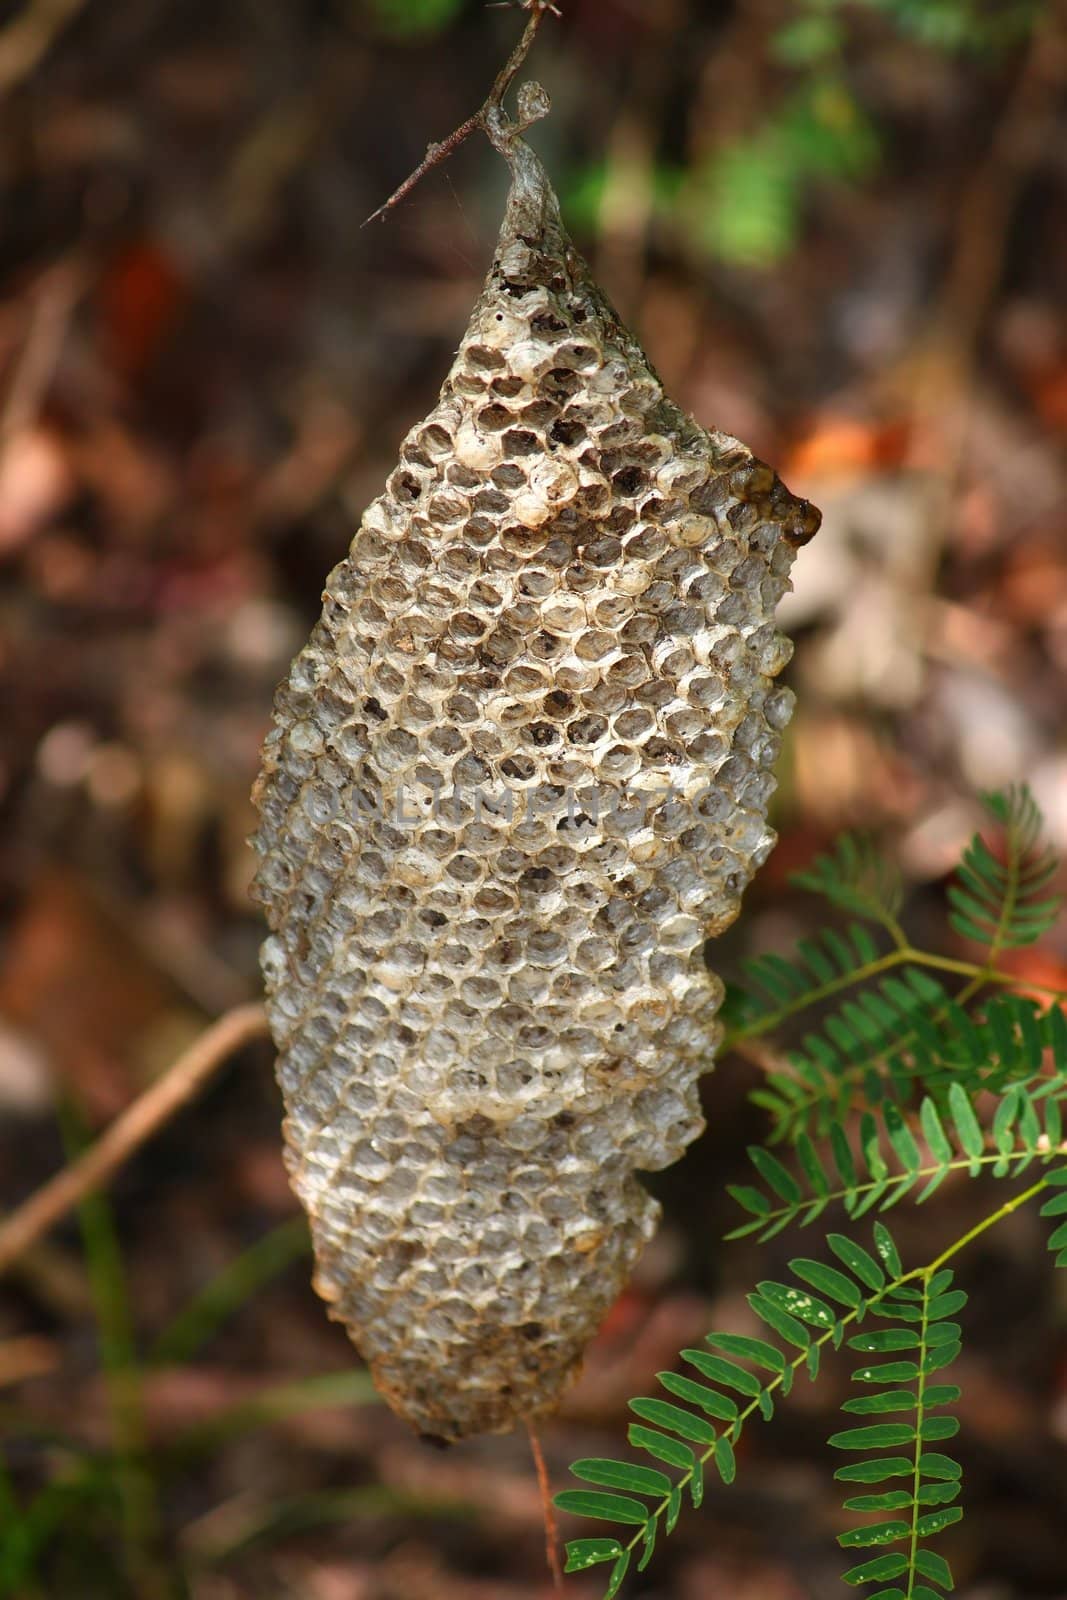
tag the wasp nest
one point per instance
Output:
(517, 776)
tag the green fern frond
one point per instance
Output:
(870, 1045)
(920, 1343)
(912, 1060)
(856, 877)
(996, 903)
(734, 1379)
(907, 1032)
(1057, 1209)
(962, 25)
(775, 987)
(889, 1161)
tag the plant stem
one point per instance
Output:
(148, 1113)
(784, 1214)
(920, 1411)
(547, 1510)
(436, 153)
(773, 1019)
(988, 1222)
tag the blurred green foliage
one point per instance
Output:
(94, 1528)
(978, 26)
(582, 189)
(414, 19)
(743, 203)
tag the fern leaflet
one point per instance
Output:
(994, 902)
(915, 1059)
(920, 1343)
(904, 1032)
(776, 987)
(737, 1376)
(858, 879)
(888, 1162)
(1057, 1209)
(709, 1404)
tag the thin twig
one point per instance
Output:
(548, 1510)
(436, 153)
(148, 1113)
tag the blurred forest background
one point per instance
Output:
(840, 230)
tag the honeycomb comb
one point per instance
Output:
(517, 776)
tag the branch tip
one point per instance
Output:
(533, 103)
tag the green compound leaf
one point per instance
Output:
(670, 1451)
(605, 1507)
(996, 902)
(710, 1401)
(758, 1351)
(877, 1471)
(856, 877)
(674, 1420)
(857, 1260)
(887, 1250)
(622, 1475)
(880, 1436)
(584, 1553)
(876, 1571)
(949, 1089)
(828, 1280)
(934, 1478)
(934, 1567)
